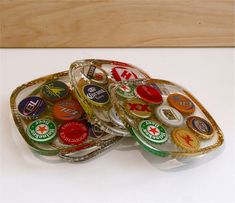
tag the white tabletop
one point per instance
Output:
(129, 175)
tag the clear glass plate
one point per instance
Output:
(86, 150)
(140, 115)
(91, 80)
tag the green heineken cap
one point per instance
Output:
(146, 145)
(42, 130)
(126, 91)
(153, 132)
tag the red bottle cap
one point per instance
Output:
(123, 73)
(74, 132)
(149, 94)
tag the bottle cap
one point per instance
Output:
(126, 91)
(42, 130)
(73, 132)
(31, 107)
(67, 110)
(200, 126)
(148, 94)
(95, 131)
(153, 132)
(55, 91)
(124, 73)
(181, 103)
(115, 118)
(95, 74)
(144, 142)
(138, 108)
(169, 116)
(96, 95)
(185, 139)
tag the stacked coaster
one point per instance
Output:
(166, 119)
(53, 123)
(76, 117)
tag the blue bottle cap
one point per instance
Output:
(31, 107)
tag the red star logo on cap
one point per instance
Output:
(124, 87)
(42, 129)
(153, 130)
(187, 139)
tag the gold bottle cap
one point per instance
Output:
(200, 126)
(138, 108)
(185, 139)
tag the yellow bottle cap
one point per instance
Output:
(185, 139)
(138, 108)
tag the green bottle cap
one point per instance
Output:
(42, 130)
(146, 145)
(55, 91)
(126, 91)
(153, 132)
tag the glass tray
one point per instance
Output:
(142, 119)
(74, 153)
(98, 76)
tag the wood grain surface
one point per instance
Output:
(123, 23)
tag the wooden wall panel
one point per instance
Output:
(123, 23)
